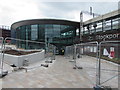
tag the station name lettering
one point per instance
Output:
(107, 36)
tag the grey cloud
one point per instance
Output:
(57, 9)
(60, 9)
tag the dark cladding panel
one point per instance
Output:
(44, 21)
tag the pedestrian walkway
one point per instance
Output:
(60, 74)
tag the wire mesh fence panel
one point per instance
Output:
(23, 52)
(53, 52)
(86, 49)
(109, 61)
(86, 56)
(50, 52)
(69, 51)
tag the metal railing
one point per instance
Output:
(13, 44)
(19, 44)
(50, 52)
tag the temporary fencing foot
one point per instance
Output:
(76, 67)
(79, 67)
(72, 61)
(102, 88)
(44, 65)
(50, 61)
(3, 73)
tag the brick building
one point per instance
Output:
(5, 31)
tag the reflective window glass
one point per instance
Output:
(34, 32)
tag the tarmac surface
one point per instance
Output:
(60, 74)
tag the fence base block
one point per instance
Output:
(102, 88)
(80, 67)
(50, 61)
(76, 67)
(44, 65)
(72, 61)
(3, 73)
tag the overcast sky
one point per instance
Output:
(16, 10)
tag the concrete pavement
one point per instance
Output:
(60, 74)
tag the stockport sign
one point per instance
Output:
(115, 36)
(108, 36)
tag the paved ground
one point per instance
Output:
(61, 74)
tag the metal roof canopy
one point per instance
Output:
(107, 16)
(44, 21)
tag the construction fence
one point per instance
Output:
(94, 57)
(20, 47)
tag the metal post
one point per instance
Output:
(111, 24)
(3, 72)
(3, 53)
(54, 48)
(2, 58)
(80, 23)
(90, 10)
(75, 55)
(99, 67)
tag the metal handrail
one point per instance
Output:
(24, 40)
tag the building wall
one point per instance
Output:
(0, 32)
(57, 32)
(5, 32)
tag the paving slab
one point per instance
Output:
(60, 74)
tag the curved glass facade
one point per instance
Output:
(51, 33)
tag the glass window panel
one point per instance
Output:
(34, 32)
(115, 23)
(56, 30)
(41, 32)
(107, 25)
(99, 27)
